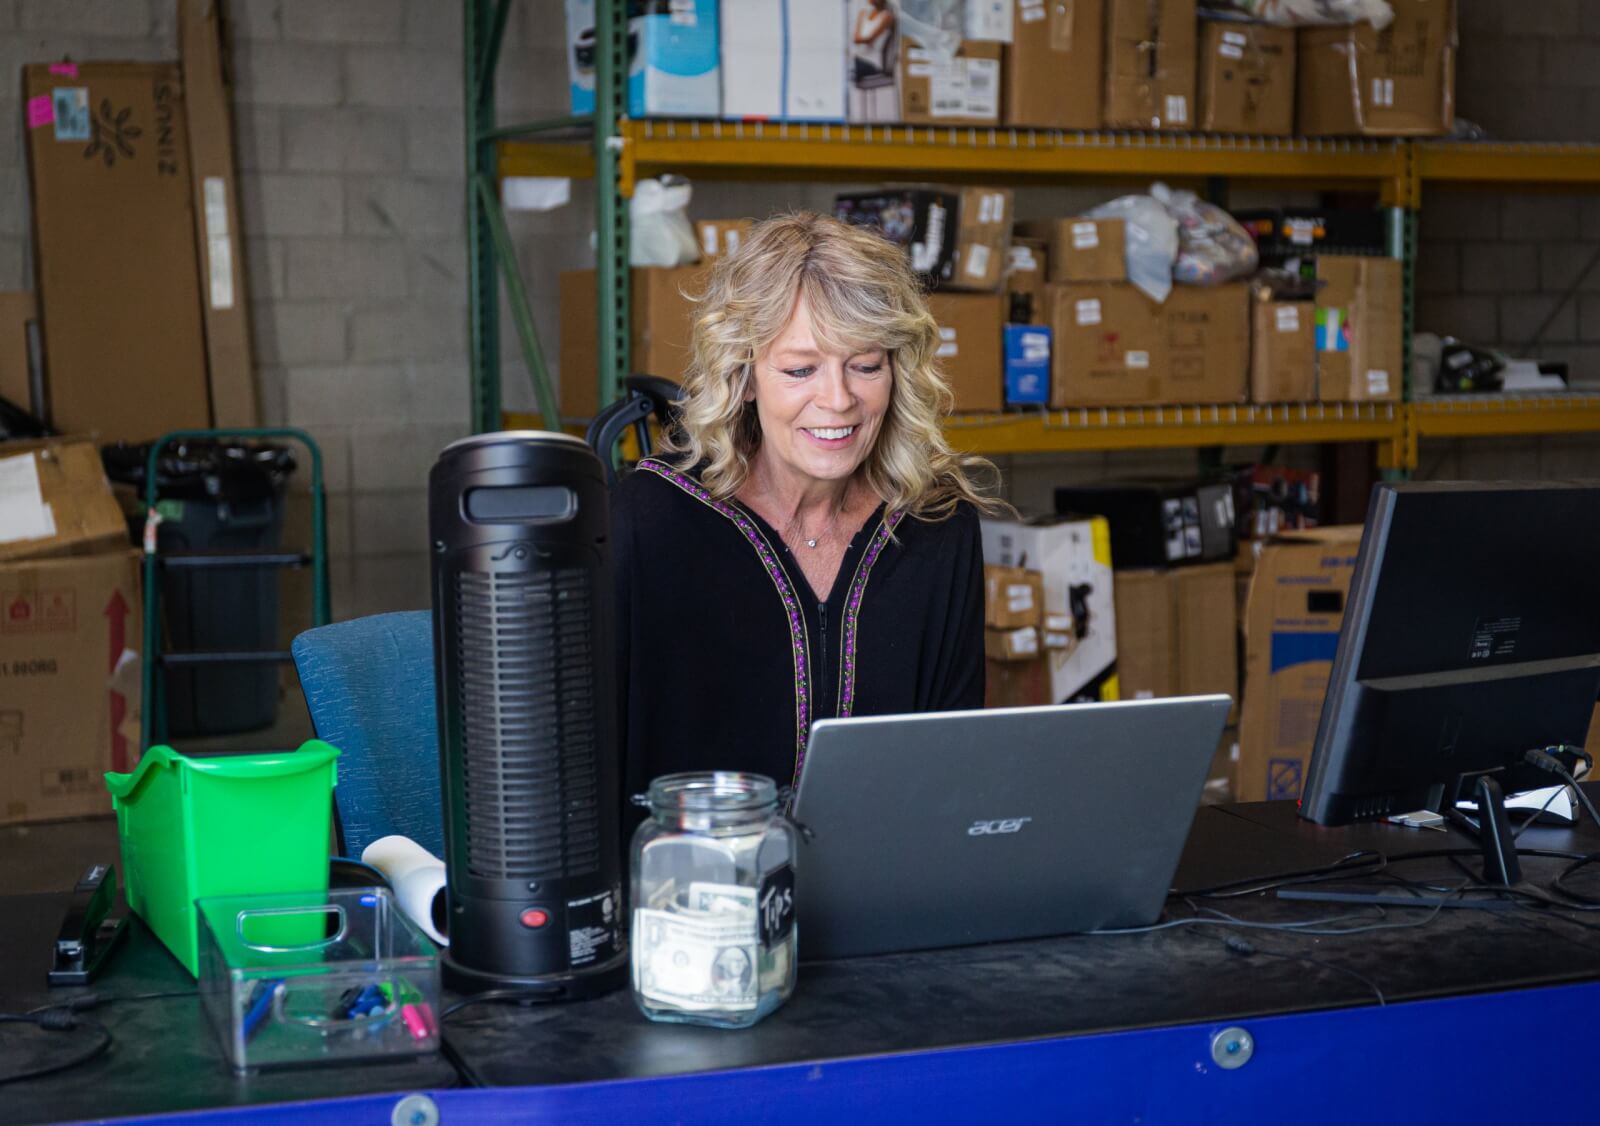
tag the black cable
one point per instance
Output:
(58, 1020)
(1339, 869)
(524, 996)
(1249, 950)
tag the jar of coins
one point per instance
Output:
(713, 933)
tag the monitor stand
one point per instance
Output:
(1501, 868)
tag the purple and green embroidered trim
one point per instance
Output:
(852, 612)
(791, 605)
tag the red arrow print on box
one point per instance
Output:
(117, 611)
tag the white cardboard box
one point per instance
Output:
(783, 61)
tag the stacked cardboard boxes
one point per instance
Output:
(70, 617)
(1177, 632)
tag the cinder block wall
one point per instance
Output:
(349, 119)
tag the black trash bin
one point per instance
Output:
(215, 497)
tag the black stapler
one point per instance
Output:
(87, 936)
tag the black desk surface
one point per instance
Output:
(164, 1059)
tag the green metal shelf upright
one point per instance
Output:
(491, 255)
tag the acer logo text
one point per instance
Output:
(993, 828)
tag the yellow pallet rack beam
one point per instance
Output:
(1462, 416)
(1507, 164)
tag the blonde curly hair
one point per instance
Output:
(862, 295)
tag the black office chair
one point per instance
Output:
(646, 395)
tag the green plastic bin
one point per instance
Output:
(254, 824)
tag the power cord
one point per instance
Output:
(67, 1016)
(1249, 950)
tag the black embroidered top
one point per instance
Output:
(725, 657)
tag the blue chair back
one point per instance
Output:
(369, 686)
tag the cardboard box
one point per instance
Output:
(662, 323)
(1026, 268)
(1159, 523)
(720, 236)
(1013, 597)
(1177, 632)
(1272, 499)
(1399, 82)
(1150, 71)
(225, 303)
(1082, 250)
(114, 249)
(1074, 556)
(872, 47)
(1283, 352)
(1113, 346)
(1020, 644)
(983, 240)
(1292, 621)
(961, 90)
(970, 349)
(19, 319)
(1359, 337)
(1017, 684)
(925, 221)
(1052, 70)
(1027, 359)
(69, 710)
(783, 62)
(1246, 79)
(672, 65)
(55, 500)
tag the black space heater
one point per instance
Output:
(527, 730)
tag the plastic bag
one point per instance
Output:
(1318, 13)
(1212, 247)
(659, 223)
(1151, 241)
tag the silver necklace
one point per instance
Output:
(811, 543)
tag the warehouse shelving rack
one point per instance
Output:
(616, 151)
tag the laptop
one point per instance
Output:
(952, 828)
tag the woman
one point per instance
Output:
(810, 547)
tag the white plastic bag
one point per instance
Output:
(1212, 247)
(1318, 13)
(658, 218)
(1151, 241)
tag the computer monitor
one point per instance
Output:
(1471, 635)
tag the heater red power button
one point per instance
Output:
(535, 917)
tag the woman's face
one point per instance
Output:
(820, 411)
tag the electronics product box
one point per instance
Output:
(1177, 632)
(1113, 346)
(1150, 71)
(1286, 234)
(1246, 78)
(1026, 266)
(1013, 597)
(1159, 523)
(783, 61)
(1027, 358)
(1292, 620)
(114, 249)
(55, 500)
(1359, 337)
(1082, 250)
(662, 317)
(1283, 350)
(720, 236)
(959, 89)
(19, 319)
(970, 348)
(1273, 499)
(923, 220)
(208, 98)
(1052, 69)
(872, 61)
(1074, 556)
(1399, 82)
(672, 58)
(69, 682)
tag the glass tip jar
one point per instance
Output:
(712, 878)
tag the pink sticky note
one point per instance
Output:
(41, 111)
(66, 70)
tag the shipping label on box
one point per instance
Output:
(1013, 597)
(1074, 558)
(1283, 353)
(963, 89)
(1052, 69)
(1108, 347)
(1150, 64)
(1247, 78)
(970, 347)
(1082, 250)
(55, 500)
(1358, 332)
(720, 236)
(69, 683)
(1292, 620)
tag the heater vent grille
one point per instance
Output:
(525, 656)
